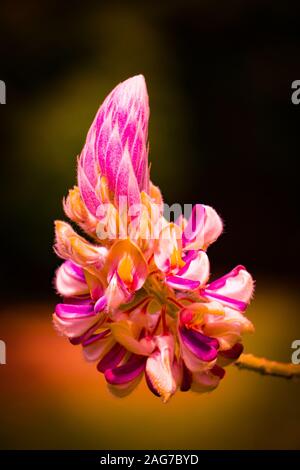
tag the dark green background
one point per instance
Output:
(223, 130)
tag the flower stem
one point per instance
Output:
(175, 302)
(163, 319)
(268, 367)
(157, 289)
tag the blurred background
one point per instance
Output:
(223, 131)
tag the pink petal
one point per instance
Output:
(87, 191)
(88, 161)
(74, 324)
(206, 381)
(169, 241)
(97, 346)
(196, 267)
(112, 358)
(159, 368)
(114, 155)
(70, 280)
(203, 347)
(195, 226)
(203, 228)
(228, 328)
(116, 292)
(136, 263)
(234, 289)
(213, 226)
(126, 182)
(127, 372)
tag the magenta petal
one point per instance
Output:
(233, 353)
(75, 271)
(92, 339)
(195, 225)
(112, 358)
(218, 371)
(100, 304)
(88, 161)
(87, 336)
(178, 282)
(68, 311)
(234, 289)
(128, 136)
(126, 184)
(236, 304)
(114, 154)
(139, 159)
(202, 346)
(187, 258)
(142, 173)
(186, 379)
(218, 283)
(127, 372)
(87, 192)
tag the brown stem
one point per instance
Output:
(267, 367)
(175, 302)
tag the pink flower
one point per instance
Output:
(180, 248)
(138, 300)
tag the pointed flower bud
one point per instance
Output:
(116, 146)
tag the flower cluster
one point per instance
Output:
(141, 305)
